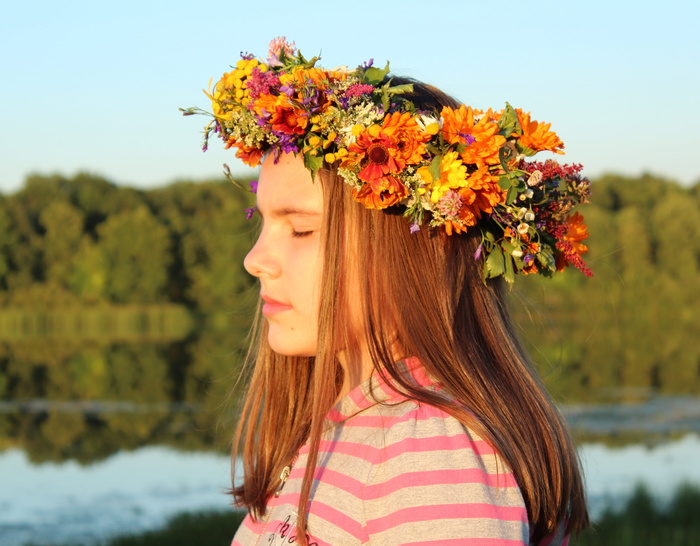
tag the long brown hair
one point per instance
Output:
(424, 293)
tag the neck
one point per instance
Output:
(356, 370)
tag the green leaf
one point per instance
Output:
(508, 124)
(313, 162)
(505, 182)
(495, 264)
(509, 274)
(512, 195)
(374, 75)
(387, 92)
(546, 257)
(434, 168)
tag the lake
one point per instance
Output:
(101, 435)
(55, 502)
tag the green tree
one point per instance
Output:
(136, 249)
(63, 225)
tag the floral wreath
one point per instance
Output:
(454, 169)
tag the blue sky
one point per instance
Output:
(95, 86)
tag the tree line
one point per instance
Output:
(82, 241)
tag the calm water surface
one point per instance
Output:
(138, 490)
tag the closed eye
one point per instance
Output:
(300, 234)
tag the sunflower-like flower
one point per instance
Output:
(536, 136)
(446, 166)
(453, 175)
(387, 149)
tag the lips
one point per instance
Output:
(272, 306)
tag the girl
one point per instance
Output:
(389, 401)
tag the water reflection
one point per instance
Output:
(102, 434)
(86, 401)
(71, 503)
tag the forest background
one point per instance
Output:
(114, 296)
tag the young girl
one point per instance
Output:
(389, 401)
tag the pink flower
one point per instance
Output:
(359, 89)
(278, 48)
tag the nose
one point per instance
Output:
(261, 260)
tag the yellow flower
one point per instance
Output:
(453, 175)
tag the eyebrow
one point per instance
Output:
(294, 211)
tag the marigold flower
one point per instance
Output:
(409, 136)
(381, 193)
(536, 136)
(480, 195)
(480, 137)
(445, 165)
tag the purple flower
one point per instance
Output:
(477, 254)
(415, 227)
(254, 186)
(249, 212)
(469, 138)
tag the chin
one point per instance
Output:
(289, 347)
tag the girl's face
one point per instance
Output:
(287, 255)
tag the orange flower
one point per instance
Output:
(376, 155)
(480, 137)
(381, 193)
(576, 231)
(250, 155)
(536, 136)
(284, 116)
(300, 77)
(409, 137)
(387, 149)
(480, 195)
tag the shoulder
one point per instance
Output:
(419, 438)
(432, 476)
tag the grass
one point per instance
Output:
(641, 522)
(210, 528)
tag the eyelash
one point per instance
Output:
(300, 234)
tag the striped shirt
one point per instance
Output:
(397, 472)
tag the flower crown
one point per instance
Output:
(455, 169)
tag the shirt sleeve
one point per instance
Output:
(436, 482)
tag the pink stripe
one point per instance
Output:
(342, 481)
(439, 477)
(446, 511)
(334, 478)
(408, 445)
(337, 518)
(358, 397)
(472, 542)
